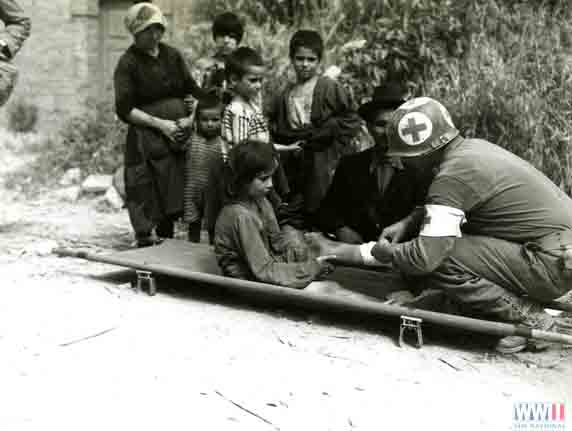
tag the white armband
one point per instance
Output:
(442, 221)
(366, 256)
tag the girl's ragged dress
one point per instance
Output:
(249, 245)
(202, 155)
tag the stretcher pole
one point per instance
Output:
(324, 302)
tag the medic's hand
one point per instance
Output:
(382, 251)
(396, 232)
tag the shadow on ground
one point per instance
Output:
(388, 326)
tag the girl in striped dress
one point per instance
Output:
(205, 149)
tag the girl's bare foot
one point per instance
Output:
(319, 245)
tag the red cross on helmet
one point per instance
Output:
(419, 127)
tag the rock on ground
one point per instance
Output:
(110, 202)
(96, 183)
(70, 177)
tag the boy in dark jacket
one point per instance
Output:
(317, 116)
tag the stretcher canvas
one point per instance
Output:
(175, 254)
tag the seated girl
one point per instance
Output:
(248, 242)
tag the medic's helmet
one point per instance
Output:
(419, 127)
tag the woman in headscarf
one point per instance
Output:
(151, 81)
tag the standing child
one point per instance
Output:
(204, 151)
(317, 114)
(243, 118)
(248, 242)
(227, 31)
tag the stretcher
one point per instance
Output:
(197, 263)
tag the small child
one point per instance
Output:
(317, 114)
(203, 152)
(227, 31)
(243, 118)
(248, 242)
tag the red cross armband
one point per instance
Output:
(442, 221)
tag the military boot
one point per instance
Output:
(533, 317)
(524, 312)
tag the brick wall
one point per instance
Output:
(55, 61)
(60, 64)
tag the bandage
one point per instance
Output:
(442, 221)
(366, 256)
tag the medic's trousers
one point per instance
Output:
(502, 279)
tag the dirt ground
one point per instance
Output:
(81, 350)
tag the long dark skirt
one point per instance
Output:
(154, 170)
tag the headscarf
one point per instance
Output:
(142, 15)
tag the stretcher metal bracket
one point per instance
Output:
(411, 323)
(146, 281)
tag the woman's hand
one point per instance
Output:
(169, 128)
(184, 122)
(182, 135)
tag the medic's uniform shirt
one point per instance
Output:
(491, 192)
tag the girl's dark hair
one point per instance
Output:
(240, 59)
(229, 24)
(245, 161)
(307, 39)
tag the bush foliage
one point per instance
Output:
(91, 141)
(502, 67)
(514, 82)
(22, 116)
